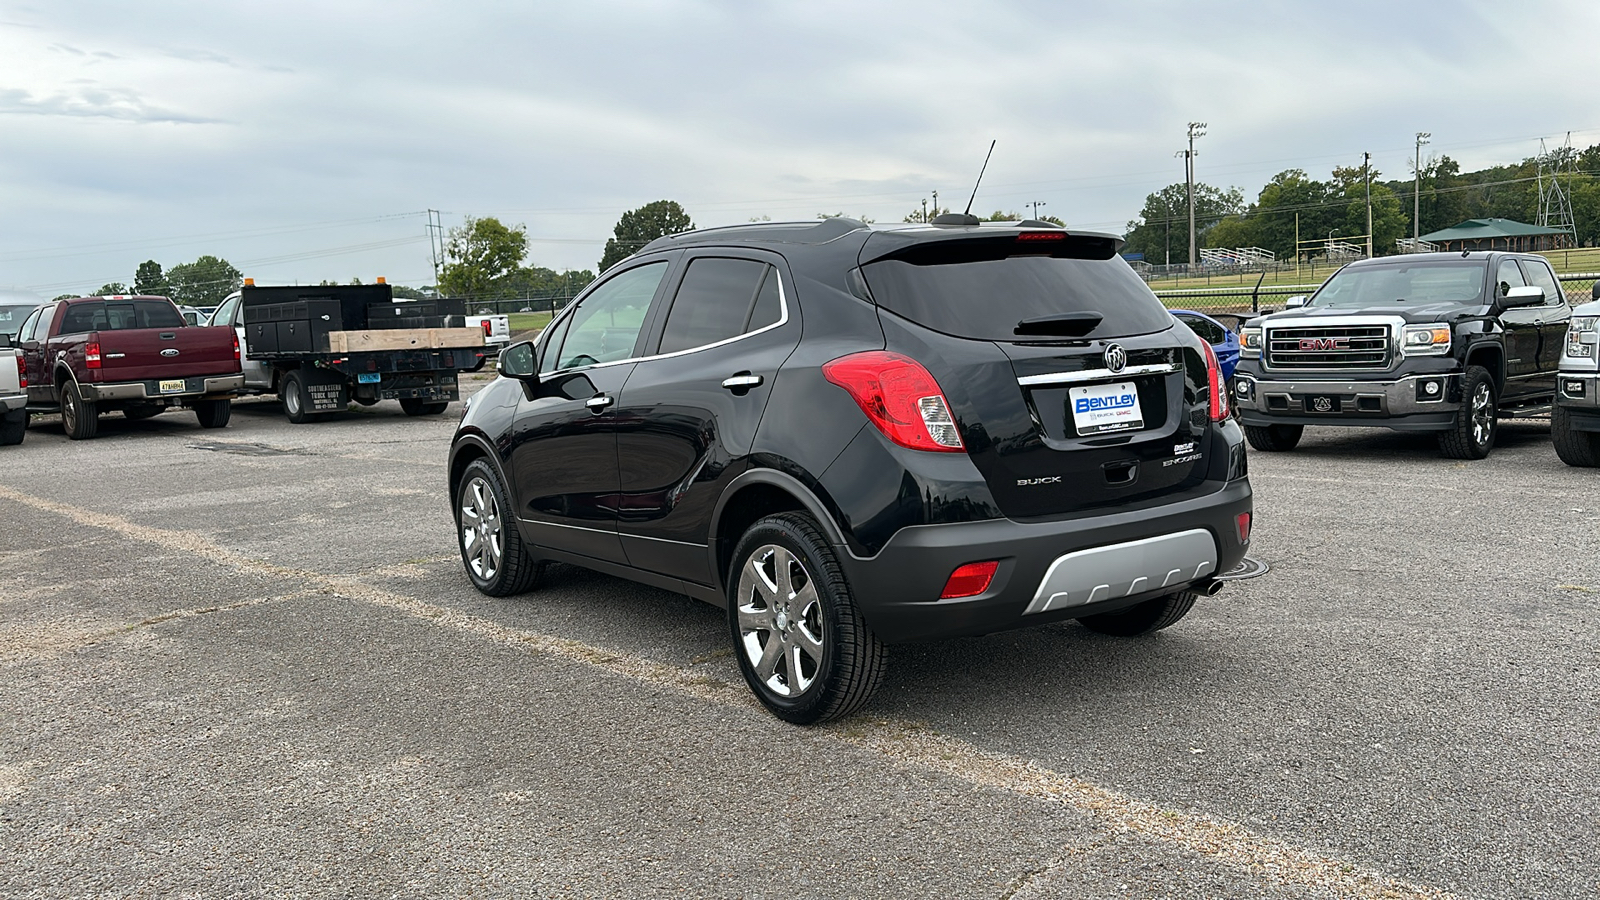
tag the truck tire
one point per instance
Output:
(1472, 436)
(13, 428)
(296, 399)
(80, 418)
(1274, 438)
(213, 413)
(1142, 618)
(414, 406)
(136, 413)
(1576, 448)
(497, 562)
(801, 642)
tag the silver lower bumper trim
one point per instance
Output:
(1122, 570)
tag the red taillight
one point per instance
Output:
(1242, 523)
(91, 354)
(488, 328)
(236, 346)
(970, 580)
(1219, 394)
(900, 397)
(22, 371)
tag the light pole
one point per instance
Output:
(1416, 192)
(1366, 176)
(1036, 204)
(1196, 129)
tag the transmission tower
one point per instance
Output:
(1555, 200)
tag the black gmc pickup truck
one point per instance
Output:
(1441, 342)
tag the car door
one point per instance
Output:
(689, 413)
(1551, 320)
(1522, 333)
(30, 340)
(562, 452)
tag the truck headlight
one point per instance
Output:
(1582, 336)
(1250, 342)
(1426, 340)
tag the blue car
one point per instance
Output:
(1224, 341)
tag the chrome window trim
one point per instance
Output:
(783, 318)
(1096, 374)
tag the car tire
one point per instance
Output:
(496, 560)
(137, 413)
(1576, 448)
(1274, 438)
(213, 413)
(80, 418)
(13, 428)
(296, 399)
(413, 406)
(1472, 435)
(800, 639)
(1142, 618)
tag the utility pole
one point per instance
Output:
(1036, 204)
(1416, 193)
(924, 210)
(435, 242)
(936, 204)
(1196, 129)
(1366, 176)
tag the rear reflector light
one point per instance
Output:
(1242, 522)
(900, 397)
(91, 354)
(1219, 397)
(970, 580)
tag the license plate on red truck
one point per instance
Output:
(173, 386)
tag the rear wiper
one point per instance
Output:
(1073, 324)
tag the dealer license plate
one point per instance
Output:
(369, 377)
(174, 386)
(1098, 408)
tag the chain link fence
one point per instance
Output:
(1241, 301)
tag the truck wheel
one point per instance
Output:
(143, 412)
(801, 642)
(1473, 434)
(497, 561)
(296, 399)
(1576, 448)
(1273, 438)
(80, 418)
(13, 428)
(213, 413)
(414, 406)
(1142, 618)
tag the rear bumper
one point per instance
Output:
(1404, 404)
(194, 386)
(1048, 571)
(13, 403)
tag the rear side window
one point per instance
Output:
(1209, 331)
(720, 299)
(118, 315)
(981, 288)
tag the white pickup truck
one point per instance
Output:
(496, 329)
(13, 395)
(1575, 420)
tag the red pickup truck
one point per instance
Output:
(96, 354)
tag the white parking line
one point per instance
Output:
(1219, 840)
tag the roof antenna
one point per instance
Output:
(968, 210)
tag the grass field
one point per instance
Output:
(528, 322)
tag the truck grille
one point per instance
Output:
(1329, 347)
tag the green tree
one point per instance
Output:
(640, 226)
(480, 257)
(1291, 194)
(112, 289)
(1001, 215)
(149, 280)
(537, 282)
(916, 214)
(204, 282)
(1161, 232)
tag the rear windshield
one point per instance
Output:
(115, 315)
(984, 288)
(1420, 283)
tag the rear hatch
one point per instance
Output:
(1071, 386)
(148, 340)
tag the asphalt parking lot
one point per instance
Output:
(245, 662)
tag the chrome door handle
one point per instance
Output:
(741, 382)
(599, 402)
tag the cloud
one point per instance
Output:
(94, 102)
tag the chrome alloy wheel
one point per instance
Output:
(70, 413)
(780, 621)
(1482, 414)
(482, 542)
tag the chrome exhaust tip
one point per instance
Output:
(1209, 587)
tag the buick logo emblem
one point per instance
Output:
(170, 351)
(1116, 358)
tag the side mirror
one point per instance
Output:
(1295, 302)
(518, 361)
(1594, 292)
(1527, 295)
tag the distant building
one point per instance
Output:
(1499, 234)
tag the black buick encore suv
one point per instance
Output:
(850, 435)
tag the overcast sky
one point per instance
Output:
(304, 141)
